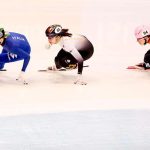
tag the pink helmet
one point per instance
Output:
(142, 31)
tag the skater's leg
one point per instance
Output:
(2, 64)
(61, 56)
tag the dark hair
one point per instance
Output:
(64, 32)
(148, 36)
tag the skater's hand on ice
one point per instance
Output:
(79, 80)
(21, 77)
(53, 68)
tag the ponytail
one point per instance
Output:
(64, 32)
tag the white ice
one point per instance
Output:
(30, 112)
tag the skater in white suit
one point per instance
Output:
(75, 49)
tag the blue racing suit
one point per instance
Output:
(15, 47)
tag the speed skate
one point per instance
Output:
(61, 69)
(137, 67)
(50, 70)
(3, 70)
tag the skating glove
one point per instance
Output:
(146, 66)
(79, 80)
(21, 77)
(53, 68)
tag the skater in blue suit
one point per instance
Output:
(15, 48)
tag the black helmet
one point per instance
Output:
(53, 30)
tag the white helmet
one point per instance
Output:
(142, 31)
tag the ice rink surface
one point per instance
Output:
(51, 113)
